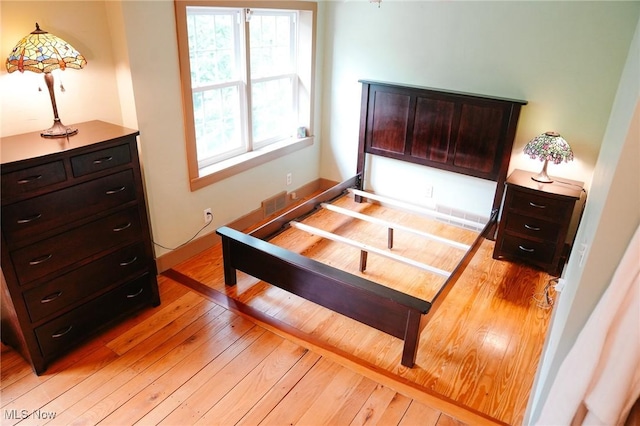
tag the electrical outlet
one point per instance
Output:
(428, 191)
(289, 178)
(208, 215)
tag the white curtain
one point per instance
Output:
(599, 380)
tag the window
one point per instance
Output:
(247, 83)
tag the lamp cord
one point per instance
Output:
(572, 184)
(544, 300)
(186, 242)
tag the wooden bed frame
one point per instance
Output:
(458, 132)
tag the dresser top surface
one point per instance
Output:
(559, 186)
(32, 145)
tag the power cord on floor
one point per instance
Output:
(209, 215)
(544, 300)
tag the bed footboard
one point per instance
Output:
(385, 309)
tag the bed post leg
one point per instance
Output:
(229, 271)
(390, 238)
(411, 338)
(363, 260)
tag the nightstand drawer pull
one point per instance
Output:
(61, 332)
(122, 227)
(41, 259)
(115, 191)
(531, 228)
(129, 262)
(537, 206)
(29, 179)
(51, 297)
(29, 219)
(103, 159)
(136, 294)
(528, 250)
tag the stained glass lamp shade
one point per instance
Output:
(549, 146)
(41, 52)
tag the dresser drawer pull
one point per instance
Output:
(136, 294)
(528, 250)
(103, 159)
(29, 179)
(41, 259)
(51, 297)
(115, 191)
(537, 206)
(30, 218)
(531, 228)
(129, 262)
(122, 227)
(61, 332)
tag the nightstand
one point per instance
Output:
(539, 221)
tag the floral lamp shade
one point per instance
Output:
(548, 147)
(41, 52)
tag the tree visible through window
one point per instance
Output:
(249, 77)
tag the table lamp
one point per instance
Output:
(41, 52)
(549, 146)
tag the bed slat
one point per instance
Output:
(391, 226)
(368, 248)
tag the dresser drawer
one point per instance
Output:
(532, 251)
(100, 160)
(552, 209)
(67, 289)
(32, 217)
(532, 227)
(31, 179)
(58, 334)
(47, 256)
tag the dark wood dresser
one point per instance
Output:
(539, 221)
(76, 244)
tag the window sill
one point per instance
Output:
(244, 162)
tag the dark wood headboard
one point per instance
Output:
(459, 132)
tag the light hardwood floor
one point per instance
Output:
(254, 354)
(192, 361)
(479, 351)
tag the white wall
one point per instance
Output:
(611, 217)
(89, 92)
(564, 58)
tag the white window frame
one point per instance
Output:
(201, 173)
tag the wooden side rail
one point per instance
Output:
(383, 308)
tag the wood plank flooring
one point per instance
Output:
(479, 351)
(254, 354)
(192, 361)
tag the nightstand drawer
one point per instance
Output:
(31, 179)
(532, 227)
(31, 217)
(533, 251)
(58, 334)
(63, 291)
(552, 209)
(51, 254)
(100, 160)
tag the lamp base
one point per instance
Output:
(58, 130)
(542, 177)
